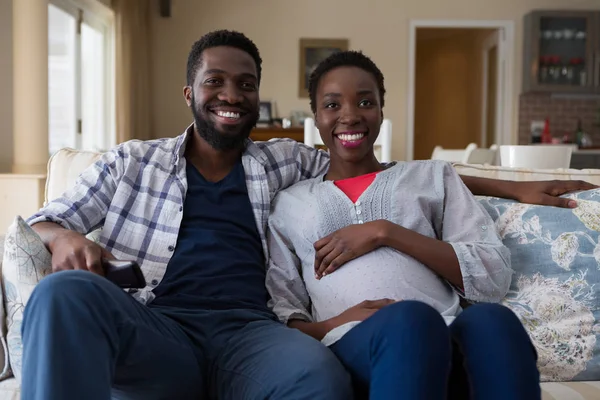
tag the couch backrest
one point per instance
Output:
(525, 174)
(63, 169)
(66, 164)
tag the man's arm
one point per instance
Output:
(311, 162)
(533, 192)
(62, 223)
(296, 161)
(70, 249)
(83, 207)
(50, 233)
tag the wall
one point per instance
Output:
(19, 195)
(6, 89)
(448, 88)
(379, 28)
(563, 113)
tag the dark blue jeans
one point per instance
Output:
(406, 351)
(84, 338)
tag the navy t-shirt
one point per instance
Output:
(218, 262)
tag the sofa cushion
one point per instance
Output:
(10, 390)
(555, 291)
(570, 390)
(26, 262)
(64, 167)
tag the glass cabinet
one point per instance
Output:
(562, 52)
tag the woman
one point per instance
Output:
(371, 259)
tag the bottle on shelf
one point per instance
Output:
(546, 136)
(582, 139)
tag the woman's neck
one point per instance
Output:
(340, 169)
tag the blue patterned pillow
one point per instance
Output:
(556, 287)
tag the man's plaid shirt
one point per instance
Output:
(136, 193)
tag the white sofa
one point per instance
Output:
(65, 166)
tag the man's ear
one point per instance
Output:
(187, 95)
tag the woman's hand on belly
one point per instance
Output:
(359, 312)
(346, 244)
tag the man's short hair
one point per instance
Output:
(221, 38)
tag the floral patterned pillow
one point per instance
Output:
(26, 262)
(556, 287)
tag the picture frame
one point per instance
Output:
(312, 52)
(265, 116)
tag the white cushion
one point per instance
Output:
(10, 389)
(26, 262)
(64, 167)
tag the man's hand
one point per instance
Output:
(346, 244)
(546, 192)
(71, 250)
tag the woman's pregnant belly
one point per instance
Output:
(382, 273)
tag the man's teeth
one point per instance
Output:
(228, 114)
(350, 137)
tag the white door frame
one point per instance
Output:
(506, 47)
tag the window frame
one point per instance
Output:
(102, 18)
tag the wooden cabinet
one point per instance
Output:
(264, 134)
(562, 52)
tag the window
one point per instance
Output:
(80, 75)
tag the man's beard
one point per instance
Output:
(222, 140)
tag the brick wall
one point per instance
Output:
(563, 113)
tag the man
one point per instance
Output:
(192, 211)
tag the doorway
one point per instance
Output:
(489, 95)
(460, 85)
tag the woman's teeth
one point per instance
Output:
(350, 137)
(228, 114)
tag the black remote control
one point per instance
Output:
(125, 274)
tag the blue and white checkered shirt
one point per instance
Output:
(136, 193)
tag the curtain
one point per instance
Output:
(132, 69)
